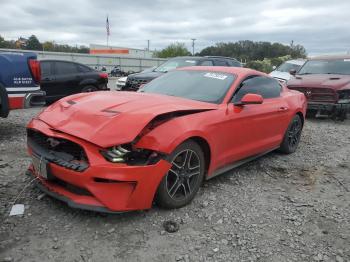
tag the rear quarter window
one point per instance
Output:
(65, 68)
(264, 86)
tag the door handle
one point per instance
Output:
(283, 109)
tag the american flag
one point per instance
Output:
(107, 27)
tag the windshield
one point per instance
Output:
(175, 63)
(196, 85)
(339, 66)
(286, 67)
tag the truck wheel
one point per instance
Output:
(4, 102)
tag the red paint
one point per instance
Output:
(16, 102)
(105, 119)
(35, 69)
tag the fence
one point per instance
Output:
(98, 61)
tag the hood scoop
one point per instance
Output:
(334, 78)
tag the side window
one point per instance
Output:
(261, 85)
(46, 69)
(206, 63)
(233, 63)
(220, 63)
(64, 68)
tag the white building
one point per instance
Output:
(120, 51)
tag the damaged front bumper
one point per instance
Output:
(101, 186)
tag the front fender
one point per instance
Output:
(166, 137)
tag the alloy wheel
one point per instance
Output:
(183, 175)
(294, 133)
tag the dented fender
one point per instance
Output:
(166, 137)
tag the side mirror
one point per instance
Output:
(250, 99)
(293, 72)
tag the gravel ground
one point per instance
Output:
(278, 208)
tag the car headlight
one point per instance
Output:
(131, 156)
(344, 96)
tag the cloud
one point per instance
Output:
(321, 26)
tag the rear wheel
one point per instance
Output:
(4, 102)
(89, 89)
(292, 136)
(181, 183)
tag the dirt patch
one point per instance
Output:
(277, 208)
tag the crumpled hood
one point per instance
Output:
(111, 118)
(336, 82)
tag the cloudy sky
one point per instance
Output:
(322, 26)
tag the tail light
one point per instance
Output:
(35, 69)
(104, 75)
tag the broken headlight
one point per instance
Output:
(129, 155)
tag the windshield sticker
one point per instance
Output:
(216, 76)
(190, 61)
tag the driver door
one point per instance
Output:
(256, 128)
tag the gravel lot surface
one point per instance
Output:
(278, 208)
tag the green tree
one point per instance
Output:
(48, 46)
(251, 51)
(33, 43)
(2, 42)
(175, 49)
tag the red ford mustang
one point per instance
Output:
(121, 151)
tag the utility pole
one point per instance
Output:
(147, 45)
(193, 39)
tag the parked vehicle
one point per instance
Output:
(120, 151)
(19, 82)
(116, 71)
(325, 81)
(63, 78)
(122, 80)
(119, 85)
(134, 81)
(282, 74)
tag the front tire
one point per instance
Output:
(181, 183)
(292, 136)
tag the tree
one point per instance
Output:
(2, 42)
(251, 51)
(175, 49)
(33, 43)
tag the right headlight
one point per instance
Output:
(131, 156)
(344, 96)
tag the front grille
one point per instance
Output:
(134, 84)
(58, 150)
(316, 94)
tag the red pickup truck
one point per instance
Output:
(325, 81)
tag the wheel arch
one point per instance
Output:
(89, 81)
(299, 113)
(204, 145)
(4, 102)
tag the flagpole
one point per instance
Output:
(107, 30)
